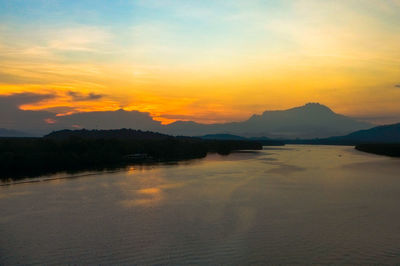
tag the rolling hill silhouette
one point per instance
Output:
(379, 134)
(388, 134)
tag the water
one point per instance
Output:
(286, 205)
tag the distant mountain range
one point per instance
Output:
(379, 134)
(312, 120)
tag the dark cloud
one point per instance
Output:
(37, 123)
(18, 99)
(77, 96)
(110, 120)
(11, 117)
(397, 85)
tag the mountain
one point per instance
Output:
(312, 120)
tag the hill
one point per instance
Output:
(379, 134)
(107, 134)
(79, 150)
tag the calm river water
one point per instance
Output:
(286, 205)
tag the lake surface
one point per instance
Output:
(284, 205)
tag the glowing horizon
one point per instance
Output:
(206, 61)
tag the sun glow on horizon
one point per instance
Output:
(208, 61)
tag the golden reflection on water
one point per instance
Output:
(149, 191)
(130, 170)
(148, 186)
(146, 190)
(145, 197)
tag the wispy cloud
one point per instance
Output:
(47, 41)
(82, 38)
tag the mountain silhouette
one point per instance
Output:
(379, 134)
(312, 120)
(387, 134)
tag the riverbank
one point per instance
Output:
(388, 149)
(30, 157)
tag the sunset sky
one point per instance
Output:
(207, 61)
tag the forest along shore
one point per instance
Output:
(389, 149)
(77, 150)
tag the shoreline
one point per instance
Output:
(22, 158)
(385, 149)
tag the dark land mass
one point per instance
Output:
(263, 140)
(122, 134)
(77, 150)
(382, 140)
(380, 134)
(389, 149)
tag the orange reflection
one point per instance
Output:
(145, 197)
(149, 191)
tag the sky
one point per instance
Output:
(207, 61)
